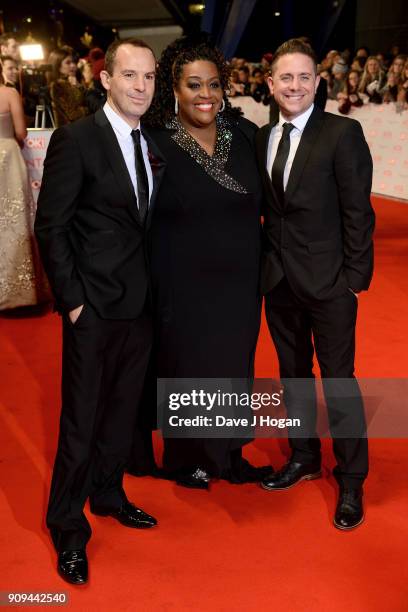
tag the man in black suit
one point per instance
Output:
(93, 216)
(318, 255)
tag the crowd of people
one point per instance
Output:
(73, 87)
(352, 80)
(70, 85)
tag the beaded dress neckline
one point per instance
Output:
(213, 165)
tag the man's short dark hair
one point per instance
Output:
(110, 55)
(4, 38)
(7, 58)
(294, 45)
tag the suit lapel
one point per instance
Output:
(158, 166)
(117, 162)
(263, 144)
(307, 140)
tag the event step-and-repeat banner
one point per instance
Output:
(386, 133)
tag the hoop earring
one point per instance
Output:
(176, 106)
(222, 107)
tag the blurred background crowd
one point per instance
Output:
(67, 84)
(68, 80)
(52, 53)
(352, 78)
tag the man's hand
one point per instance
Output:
(74, 314)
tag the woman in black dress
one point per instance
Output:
(205, 246)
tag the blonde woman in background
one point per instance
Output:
(21, 279)
(394, 78)
(372, 80)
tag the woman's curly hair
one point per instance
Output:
(170, 67)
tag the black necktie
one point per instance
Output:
(281, 158)
(142, 181)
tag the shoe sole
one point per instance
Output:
(139, 526)
(191, 486)
(348, 528)
(68, 581)
(306, 477)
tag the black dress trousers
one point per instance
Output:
(299, 328)
(104, 366)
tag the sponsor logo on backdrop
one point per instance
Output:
(36, 142)
(34, 151)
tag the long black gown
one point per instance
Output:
(205, 268)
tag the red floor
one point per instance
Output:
(237, 547)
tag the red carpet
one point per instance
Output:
(237, 547)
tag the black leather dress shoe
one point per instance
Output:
(245, 472)
(196, 479)
(349, 511)
(73, 566)
(290, 475)
(129, 515)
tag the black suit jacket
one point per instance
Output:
(321, 237)
(92, 242)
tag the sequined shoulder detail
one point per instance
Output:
(214, 165)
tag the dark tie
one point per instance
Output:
(141, 175)
(281, 158)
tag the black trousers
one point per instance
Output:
(103, 369)
(299, 328)
(141, 457)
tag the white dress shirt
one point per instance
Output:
(123, 133)
(295, 136)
